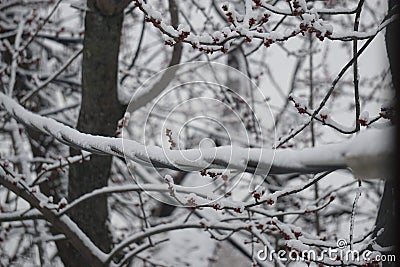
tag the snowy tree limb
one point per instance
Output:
(64, 224)
(370, 147)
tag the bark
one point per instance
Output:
(387, 215)
(99, 113)
(111, 7)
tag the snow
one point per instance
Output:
(195, 244)
(297, 245)
(334, 156)
(364, 116)
(41, 202)
(183, 28)
(63, 201)
(303, 4)
(324, 113)
(366, 153)
(308, 18)
(169, 179)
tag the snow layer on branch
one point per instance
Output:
(369, 148)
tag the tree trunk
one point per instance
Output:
(387, 217)
(99, 113)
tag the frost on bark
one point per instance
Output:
(99, 113)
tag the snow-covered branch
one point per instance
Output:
(370, 147)
(248, 26)
(64, 224)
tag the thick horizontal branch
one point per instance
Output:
(371, 148)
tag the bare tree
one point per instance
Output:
(124, 134)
